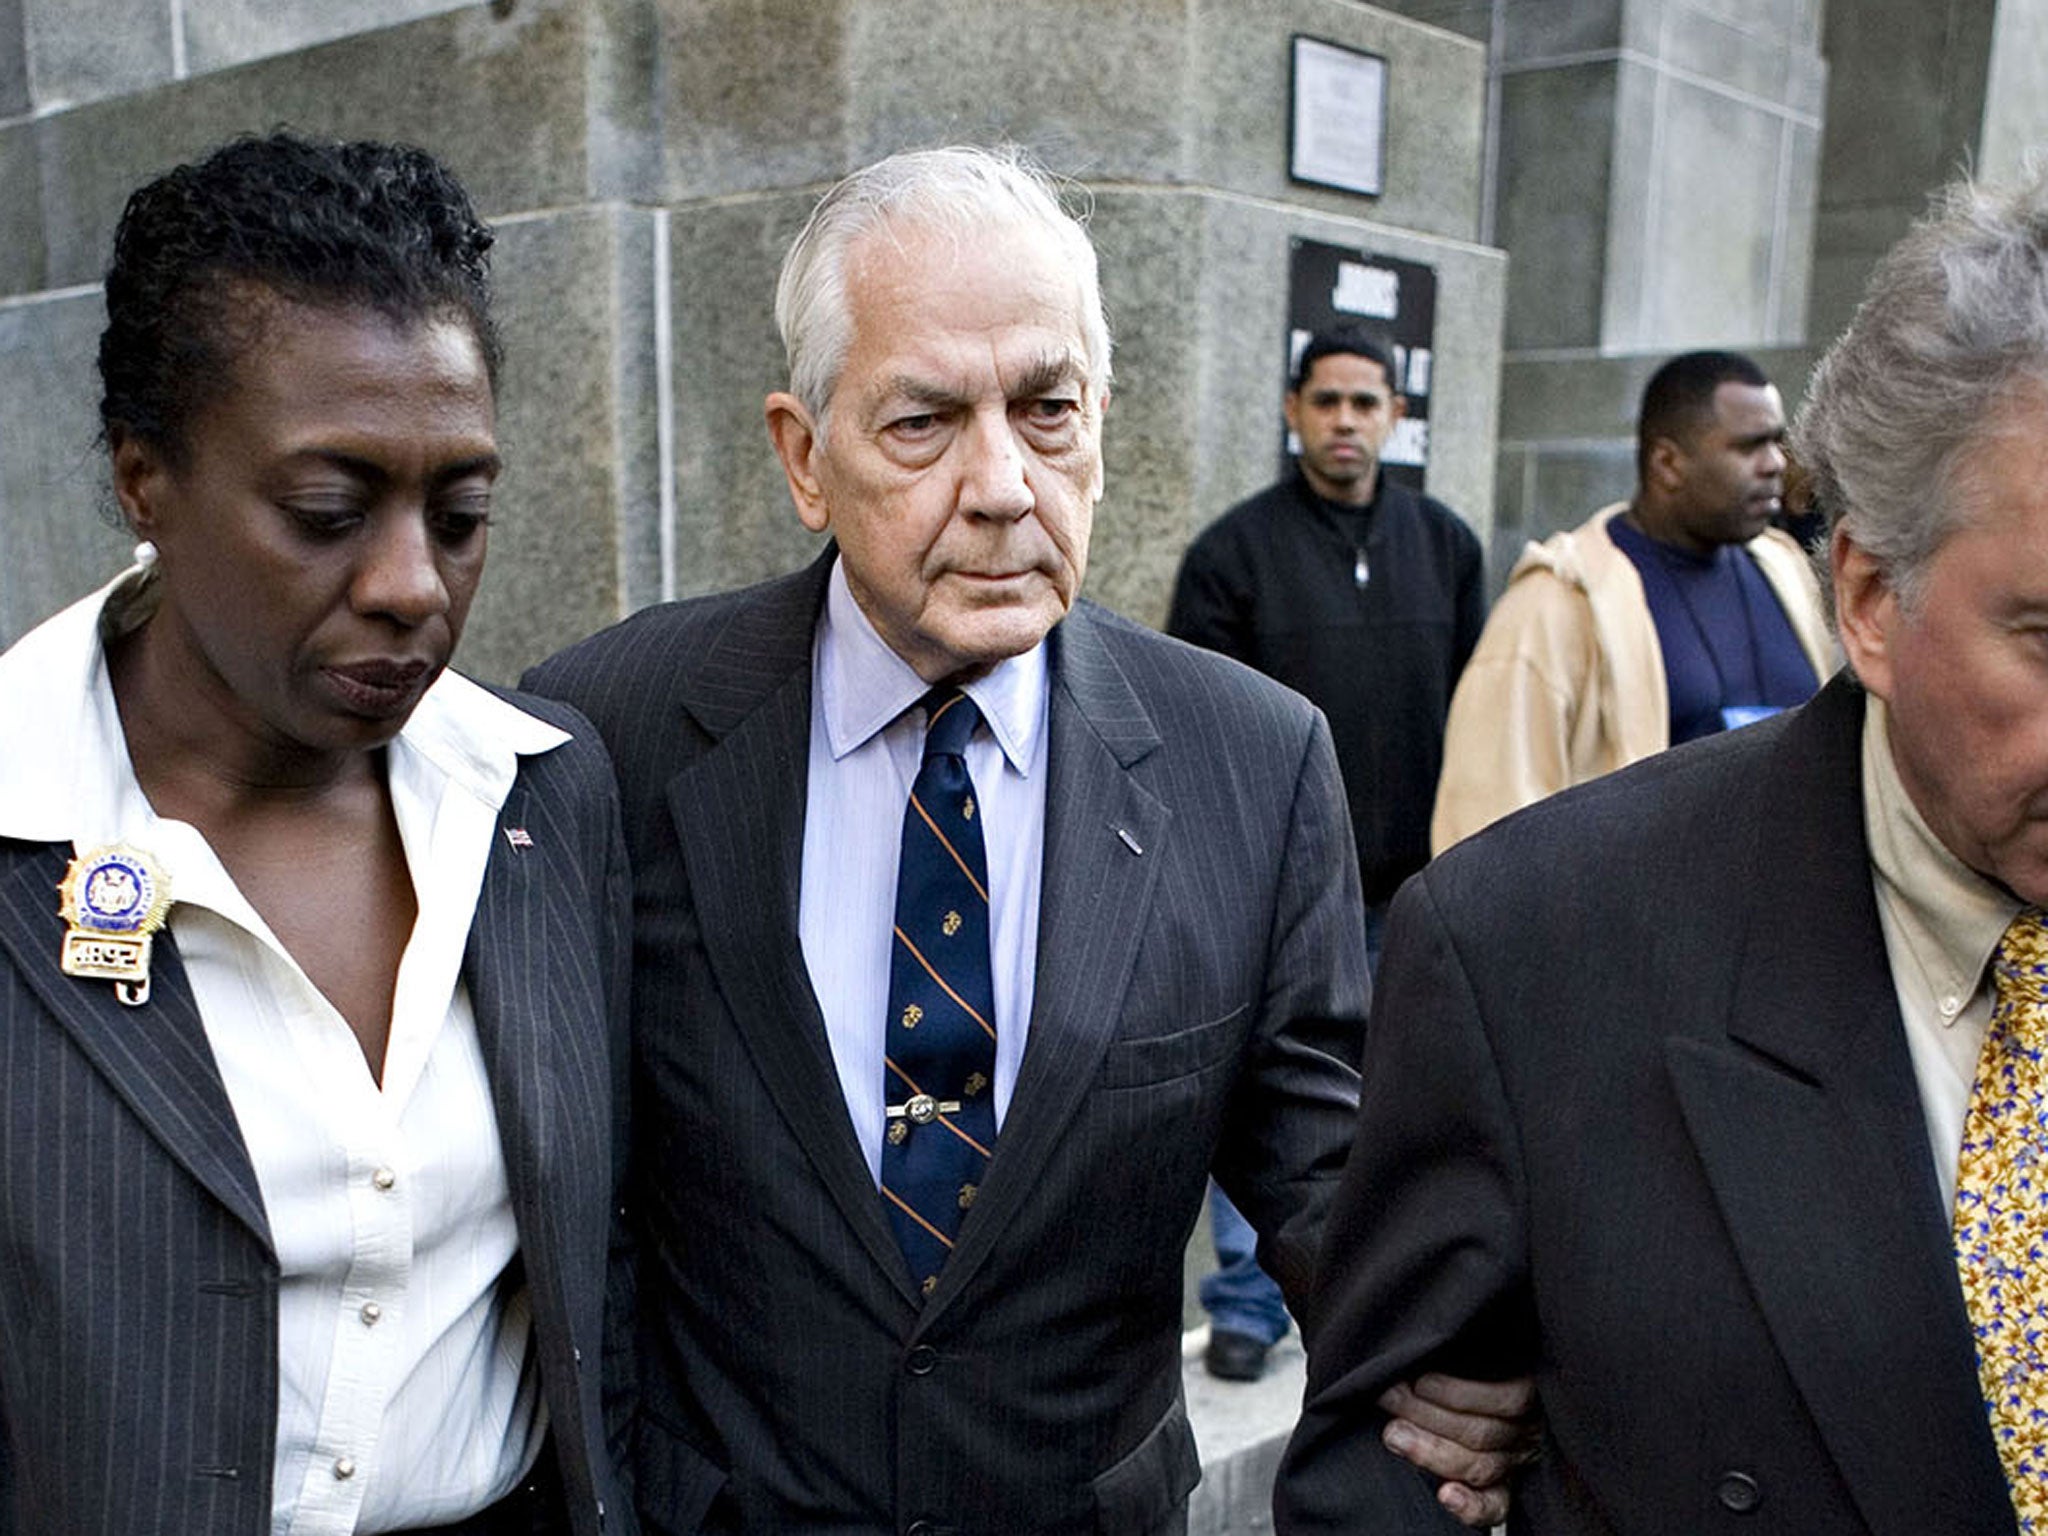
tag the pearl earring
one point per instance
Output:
(145, 554)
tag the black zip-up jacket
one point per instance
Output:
(1275, 583)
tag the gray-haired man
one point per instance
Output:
(1707, 1091)
(914, 1178)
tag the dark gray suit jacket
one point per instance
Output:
(138, 1288)
(1640, 1117)
(1200, 978)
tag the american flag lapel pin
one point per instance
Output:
(518, 837)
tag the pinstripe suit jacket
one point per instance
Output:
(1200, 978)
(138, 1288)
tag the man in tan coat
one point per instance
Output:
(1669, 616)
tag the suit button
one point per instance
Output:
(1738, 1492)
(920, 1528)
(922, 1361)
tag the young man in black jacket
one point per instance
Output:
(1366, 597)
(1357, 592)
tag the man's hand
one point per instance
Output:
(1472, 1434)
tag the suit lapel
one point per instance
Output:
(1105, 834)
(1808, 1121)
(739, 815)
(507, 968)
(156, 1056)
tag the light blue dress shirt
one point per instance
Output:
(864, 753)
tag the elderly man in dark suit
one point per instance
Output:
(973, 926)
(1710, 1092)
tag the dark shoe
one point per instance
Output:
(1234, 1356)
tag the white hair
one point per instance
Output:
(1955, 317)
(965, 191)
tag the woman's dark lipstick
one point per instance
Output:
(380, 687)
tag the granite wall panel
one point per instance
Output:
(1557, 144)
(59, 538)
(14, 97)
(2016, 95)
(1713, 224)
(1908, 87)
(1540, 32)
(1436, 111)
(762, 96)
(222, 33)
(86, 50)
(734, 522)
(23, 269)
(575, 425)
(503, 100)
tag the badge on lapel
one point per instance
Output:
(114, 898)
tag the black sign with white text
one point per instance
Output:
(1333, 285)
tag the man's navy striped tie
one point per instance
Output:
(941, 1051)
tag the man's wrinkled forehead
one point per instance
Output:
(898, 275)
(934, 245)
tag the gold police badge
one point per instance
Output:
(114, 898)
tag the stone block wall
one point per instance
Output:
(57, 534)
(1741, 165)
(647, 161)
(1657, 171)
(1905, 111)
(1657, 189)
(76, 51)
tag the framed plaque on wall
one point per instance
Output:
(1337, 125)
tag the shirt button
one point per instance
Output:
(371, 1314)
(922, 1361)
(344, 1469)
(1951, 1006)
(384, 1178)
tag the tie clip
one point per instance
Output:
(921, 1109)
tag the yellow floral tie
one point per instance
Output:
(2001, 1223)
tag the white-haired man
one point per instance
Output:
(973, 924)
(1713, 1091)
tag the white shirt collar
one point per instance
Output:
(73, 782)
(865, 685)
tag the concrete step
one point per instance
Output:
(1240, 1429)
